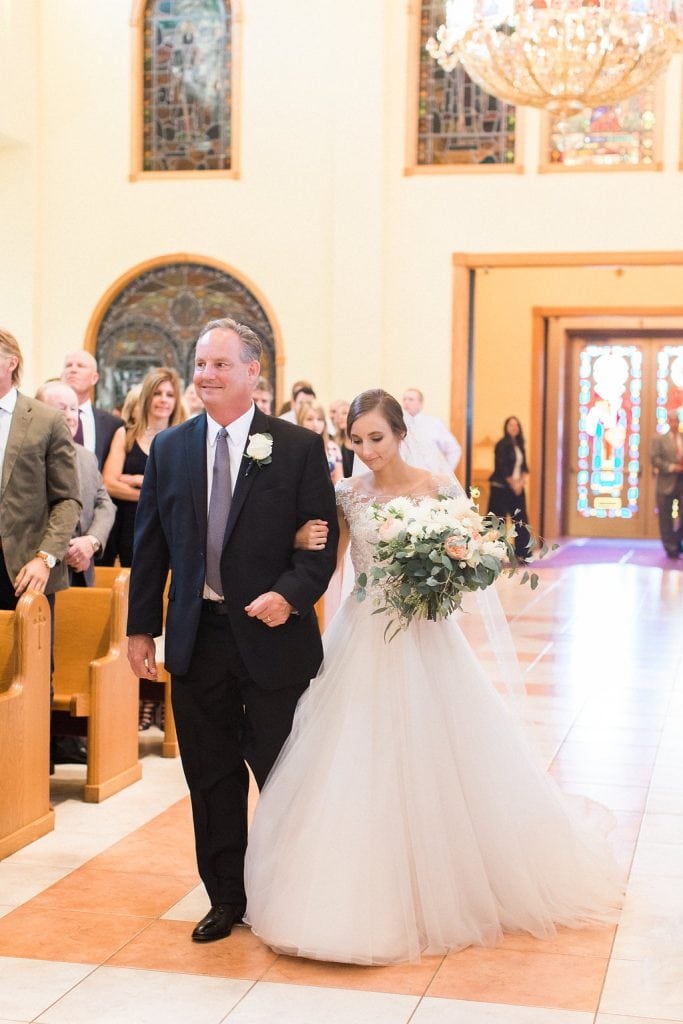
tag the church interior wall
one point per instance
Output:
(352, 255)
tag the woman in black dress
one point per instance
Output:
(507, 497)
(159, 407)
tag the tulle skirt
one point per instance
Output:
(407, 815)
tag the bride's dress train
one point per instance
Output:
(406, 814)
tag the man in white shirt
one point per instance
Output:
(432, 428)
(97, 427)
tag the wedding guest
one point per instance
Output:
(263, 395)
(191, 400)
(666, 456)
(339, 411)
(98, 510)
(432, 428)
(160, 406)
(40, 499)
(301, 396)
(312, 416)
(286, 407)
(97, 426)
(507, 496)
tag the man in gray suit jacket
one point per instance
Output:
(98, 511)
(39, 491)
(666, 456)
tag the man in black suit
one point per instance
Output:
(97, 427)
(242, 640)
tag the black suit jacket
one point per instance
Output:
(106, 425)
(269, 504)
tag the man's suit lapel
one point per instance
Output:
(195, 452)
(21, 419)
(248, 473)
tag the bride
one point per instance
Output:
(406, 813)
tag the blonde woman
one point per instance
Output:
(312, 416)
(159, 406)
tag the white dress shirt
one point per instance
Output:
(7, 405)
(238, 432)
(88, 423)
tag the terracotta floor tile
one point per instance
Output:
(167, 946)
(40, 933)
(403, 979)
(114, 892)
(521, 978)
(151, 852)
(594, 941)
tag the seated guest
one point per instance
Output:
(98, 510)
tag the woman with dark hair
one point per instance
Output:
(406, 813)
(507, 497)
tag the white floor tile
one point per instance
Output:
(112, 995)
(192, 907)
(27, 987)
(664, 801)
(661, 860)
(663, 828)
(651, 988)
(21, 882)
(457, 1011)
(610, 1018)
(295, 1004)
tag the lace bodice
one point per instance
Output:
(355, 503)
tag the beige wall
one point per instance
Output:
(353, 257)
(19, 180)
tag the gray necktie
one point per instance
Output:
(219, 509)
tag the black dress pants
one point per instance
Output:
(224, 719)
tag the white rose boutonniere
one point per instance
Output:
(259, 451)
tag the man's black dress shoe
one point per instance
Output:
(68, 750)
(218, 923)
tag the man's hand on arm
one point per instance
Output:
(270, 608)
(142, 655)
(81, 553)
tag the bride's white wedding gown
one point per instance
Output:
(406, 814)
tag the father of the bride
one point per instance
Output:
(223, 496)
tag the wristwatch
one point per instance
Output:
(50, 560)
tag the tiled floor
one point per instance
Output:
(95, 918)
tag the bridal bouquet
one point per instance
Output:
(431, 551)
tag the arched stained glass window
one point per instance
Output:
(155, 318)
(622, 135)
(458, 123)
(187, 90)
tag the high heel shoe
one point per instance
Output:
(146, 717)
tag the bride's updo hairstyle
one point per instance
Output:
(382, 402)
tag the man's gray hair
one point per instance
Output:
(252, 349)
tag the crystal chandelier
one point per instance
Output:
(563, 55)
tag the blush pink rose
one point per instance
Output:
(454, 549)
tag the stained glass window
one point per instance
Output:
(610, 387)
(458, 123)
(669, 383)
(608, 136)
(155, 320)
(186, 85)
